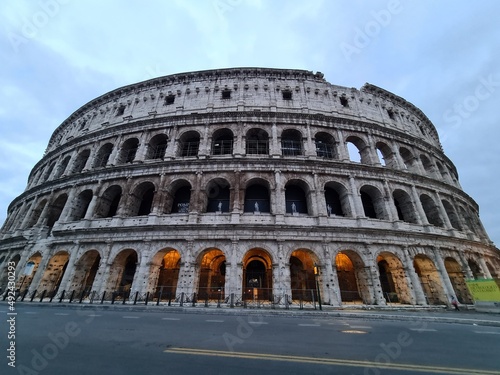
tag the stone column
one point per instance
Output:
(141, 277)
(188, 281)
(205, 143)
(484, 267)
(465, 266)
(275, 147)
(279, 194)
(330, 279)
(42, 220)
(142, 149)
(448, 287)
(341, 147)
(310, 147)
(375, 278)
(103, 270)
(418, 205)
(389, 203)
(444, 214)
(95, 197)
(70, 269)
(114, 157)
(357, 205)
(171, 149)
(68, 207)
(416, 286)
(39, 272)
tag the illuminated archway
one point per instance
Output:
(302, 277)
(257, 275)
(457, 279)
(430, 280)
(164, 273)
(352, 277)
(52, 277)
(212, 274)
(392, 278)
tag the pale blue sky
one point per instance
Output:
(442, 56)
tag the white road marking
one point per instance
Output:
(360, 327)
(488, 332)
(170, 318)
(423, 329)
(61, 314)
(309, 325)
(214, 321)
(257, 323)
(94, 315)
(30, 312)
(130, 317)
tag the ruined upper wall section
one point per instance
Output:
(244, 89)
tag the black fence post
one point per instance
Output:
(113, 295)
(33, 296)
(232, 300)
(147, 299)
(102, 298)
(43, 295)
(72, 295)
(81, 296)
(135, 298)
(24, 295)
(124, 298)
(182, 299)
(159, 297)
(62, 296)
(52, 295)
(170, 298)
(194, 300)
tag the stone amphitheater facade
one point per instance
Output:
(244, 182)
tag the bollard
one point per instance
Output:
(182, 299)
(206, 300)
(286, 302)
(113, 298)
(52, 296)
(314, 301)
(170, 298)
(147, 298)
(218, 301)
(33, 296)
(194, 300)
(81, 296)
(135, 298)
(71, 296)
(43, 295)
(62, 296)
(124, 298)
(102, 299)
(159, 297)
(232, 300)
(24, 295)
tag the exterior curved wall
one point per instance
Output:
(245, 179)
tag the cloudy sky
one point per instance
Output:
(442, 56)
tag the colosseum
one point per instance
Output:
(247, 184)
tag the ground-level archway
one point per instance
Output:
(53, 274)
(121, 273)
(457, 279)
(302, 275)
(352, 277)
(212, 274)
(85, 272)
(5, 271)
(393, 279)
(430, 280)
(257, 275)
(164, 273)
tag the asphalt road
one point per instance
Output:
(94, 341)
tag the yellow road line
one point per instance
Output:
(331, 361)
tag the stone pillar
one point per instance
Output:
(70, 269)
(188, 278)
(416, 286)
(205, 143)
(418, 205)
(141, 277)
(375, 278)
(238, 144)
(37, 277)
(71, 164)
(279, 194)
(29, 212)
(442, 210)
(103, 270)
(42, 220)
(448, 287)
(484, 267)
(233, 282)
(330, 279)
(142, 149)
(68, 207)
(171, 150)
(341, 147)
(357, 205)
(114, 157)
(95, 197)
(389, 203)
(275, 147)
(465, 266)
(310, 147)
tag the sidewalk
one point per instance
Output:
(402, 313)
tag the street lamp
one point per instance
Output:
(316, 276)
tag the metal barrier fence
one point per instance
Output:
(168, 296)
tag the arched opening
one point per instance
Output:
(257, 275)
(189, 144)
(429, 279)
(385, 155)
(218, 196)
(61, 168)
(181, 199)
(157, 147)
(257, 198)
(427, 164)
(467, 219)
(81, 205)
(352, 277)
(109, 201)
(102, 156)
(291, 143)
(325, 146)
(442, 171)
(164, 273)
(408, 159)
(52, 277)
(358, 150)
(452, 214)
(392, 279)
(36, 213)
(85, 272)
(493, 272)
(122, 272)
(141, 200)
(476, 270)
(128, 151)
(80, 161)
(336, 202)
(404, 206)
(302, 276)
(373, 202)
(48, 171)
(457, 279)
(222, 142)
(29, 271)
(431, 211)
(55, 210)
(257, 142)
(296, 198)
(212, 274)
